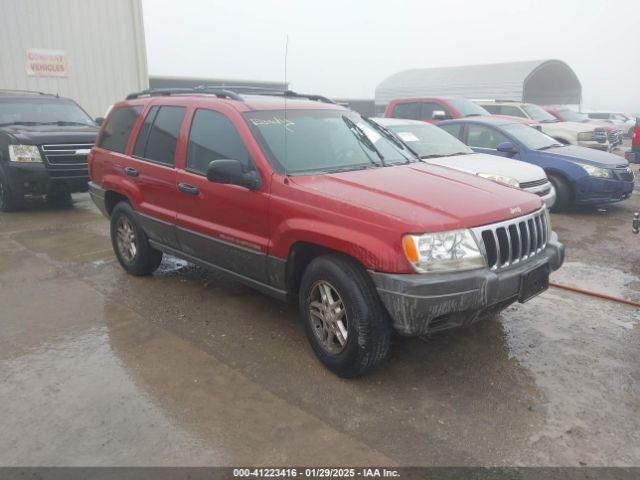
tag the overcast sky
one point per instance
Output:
(345, 48)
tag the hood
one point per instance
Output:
(426, 198)
(484, 163)
(590, 156)
(52, 134)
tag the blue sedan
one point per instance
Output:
(581, 176)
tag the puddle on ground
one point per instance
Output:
(74, 244)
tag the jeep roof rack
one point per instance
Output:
(227, 92)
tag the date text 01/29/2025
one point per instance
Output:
(315, 472)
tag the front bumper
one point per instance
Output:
(36, 179)
(597, 191)
(419, 304)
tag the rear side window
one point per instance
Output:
(481, 136)
(213, 137)
(161, 129)
(409, 110)
(512, 111)
(117, 128)
(454, 129)
(492, 109)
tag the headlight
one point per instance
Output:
(443, 251)
(597, 171)
(512, 182)
(585, 136)
(24, 153)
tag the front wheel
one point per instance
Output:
(563, 193)
(10, 201)
(344, 319)
(131, 244)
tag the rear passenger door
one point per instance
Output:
(153, 171)
(224, 225)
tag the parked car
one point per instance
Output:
(433, 109)
(624, 121)
(580, 176)
(566, 114)
(436, 146)
(44, 143)
(302, 204)
(568, 133)
(633, 155)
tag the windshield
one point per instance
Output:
(311, 141)
(530, 137)
(429, 140)
(572, 116)
(41, 110)
(467, 108)
(539, 114)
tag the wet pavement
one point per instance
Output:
(186, 368)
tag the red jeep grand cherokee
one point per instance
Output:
(313, 203)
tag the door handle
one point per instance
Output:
(131, 172)
(188, 189)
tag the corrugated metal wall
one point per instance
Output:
(103, 41)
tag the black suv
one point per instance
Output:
(44, 143)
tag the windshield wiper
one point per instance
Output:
(546, 147)
(65, 122)
(389, 135)
(20, 123)
(473, 115)
(362, 137)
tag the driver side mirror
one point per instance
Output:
(507, 147)
(99, 121)
(230, 172)
(440, 115)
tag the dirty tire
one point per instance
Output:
(563, 193)
(146, 258)
(9, 200)
(368, 327)
(61, 198)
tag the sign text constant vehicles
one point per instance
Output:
(316, 205)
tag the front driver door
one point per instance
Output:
(224, 225)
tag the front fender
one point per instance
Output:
(373, 253)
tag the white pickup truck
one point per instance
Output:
(434, 145)
(569, 133)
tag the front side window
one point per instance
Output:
(429, 141)
(467, 108)
(428, 108)
(481, 136)
(161, 134)
(117, 127)
(530, 137)
(42, 110)
(213, 137)
(322, 141)
(407, 110)
(454, 129)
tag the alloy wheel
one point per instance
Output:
(328, 317)
(126, 239)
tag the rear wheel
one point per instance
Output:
(9, 200)
(344, 319)
(131, 244)
(564, 196)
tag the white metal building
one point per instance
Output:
(539, 81)
(90, 50)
